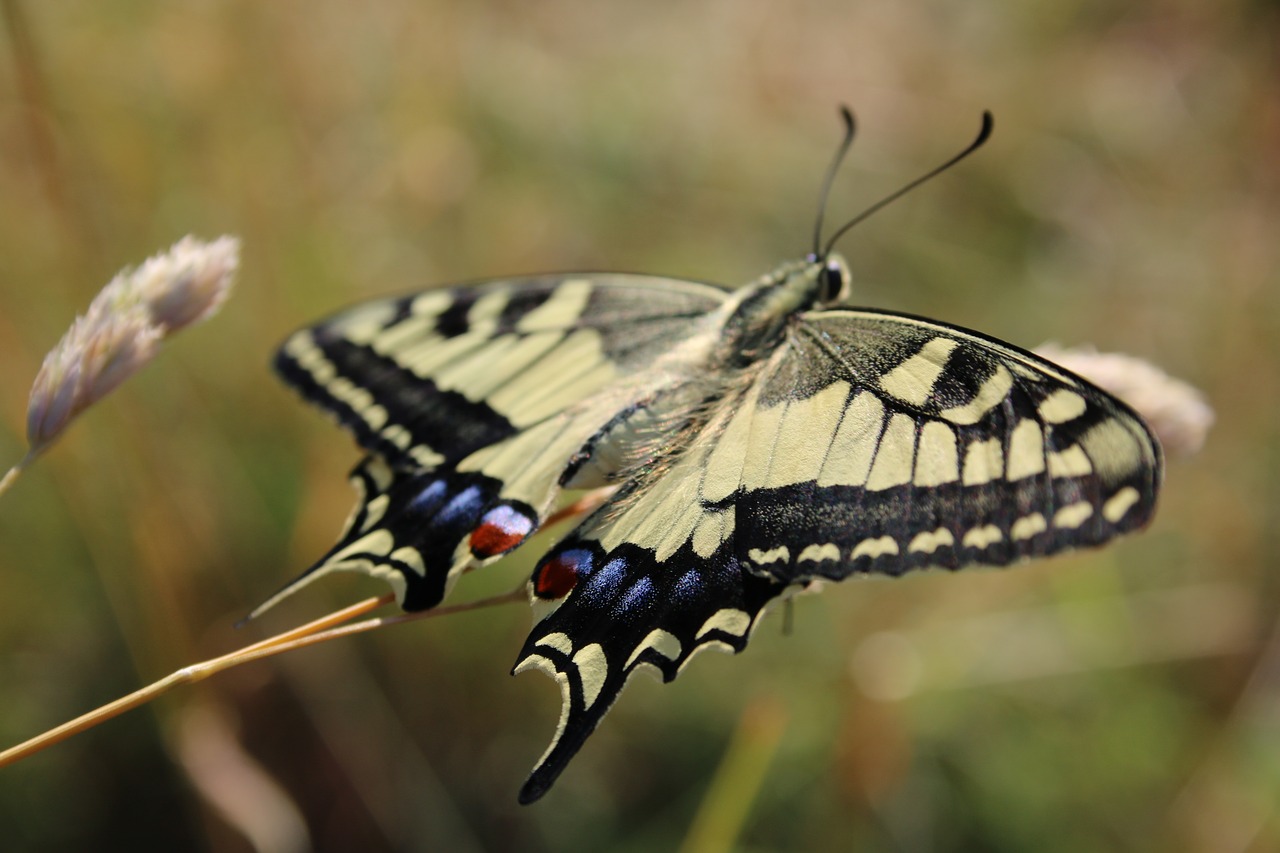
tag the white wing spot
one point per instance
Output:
(980, 537)
(983, 462)
(1061, 406)
(425, 456)
(912, 381)
(1026, 451)
(559, 642)
(379, 472)
(1114, 450)
(937, 460)
(932, 540)
(374, 510)
(1120, 503)
(663, 642)
(412, 558)
(379, 543)
(1071, 462)
(485, 311)
(548, 666)
(397, 436)
(1028, 526)
(364, 324)
(710, 533)
(873, 548)
(593, 669)
(735, 622)
(561, 311)
(431, 304)
(1073, 515)
(375, 416)
(773, 555)
(405, 335)
(819, 553)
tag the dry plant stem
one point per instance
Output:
(188, 674)
(587, 503)
(9, 477)
(319, 631)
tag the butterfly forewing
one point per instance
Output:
(427, 379)
(901, 443)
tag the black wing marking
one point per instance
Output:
(867, 443)
(474, 402)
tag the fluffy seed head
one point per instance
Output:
(123, 328)
(1177, 412)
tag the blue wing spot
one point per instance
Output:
(636, 600)
(688, 586)
(428, 500)
(604, 582)
(464, 504)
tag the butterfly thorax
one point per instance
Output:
(756, 317)
(682, 387)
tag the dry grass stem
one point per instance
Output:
(12, 474)
(321, 630)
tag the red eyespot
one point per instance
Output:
(501, 529)
(557, 577)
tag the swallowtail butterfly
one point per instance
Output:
(756, 440)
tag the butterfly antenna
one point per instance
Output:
(983, 135)
(849, 126)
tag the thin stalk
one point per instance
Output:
(321, 630)
(12, 474)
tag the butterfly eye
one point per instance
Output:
(832, 281)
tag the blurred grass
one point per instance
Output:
(1127, 699)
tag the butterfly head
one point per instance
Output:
(832, 276)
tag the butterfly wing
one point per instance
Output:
(472, 402)
(950, 448)
(868, 442)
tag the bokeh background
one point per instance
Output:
(1127, 699)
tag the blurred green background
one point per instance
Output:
(1127, 699)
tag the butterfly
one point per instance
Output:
(748, 443)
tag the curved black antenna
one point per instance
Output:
(983, 135)
(849, 127)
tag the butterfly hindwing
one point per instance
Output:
(631, 611)
(472, 403)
